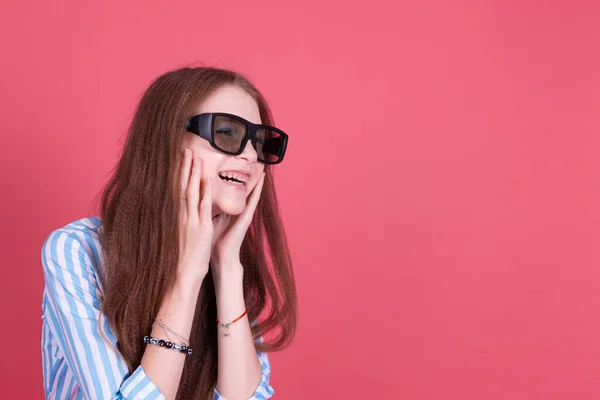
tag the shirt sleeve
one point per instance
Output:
(74, 307)
(264, 389)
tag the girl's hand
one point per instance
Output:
(230, 231)
(195, 222)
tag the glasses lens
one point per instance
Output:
(269, 145)
(229, 133)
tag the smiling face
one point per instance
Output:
(234, 177)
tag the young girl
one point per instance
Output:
(170, 291)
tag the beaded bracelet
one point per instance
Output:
(174, 346)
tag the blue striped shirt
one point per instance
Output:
(79, 353)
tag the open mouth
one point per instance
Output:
(234, 178)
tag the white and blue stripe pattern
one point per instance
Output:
(79, 354)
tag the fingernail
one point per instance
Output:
(186, 152)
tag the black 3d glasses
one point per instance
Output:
(230, 134)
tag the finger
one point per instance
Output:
(253, 200)
(206, 202)
(184, 178)
(186, 164)
(193, 189)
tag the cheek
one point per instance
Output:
(260, 167)
(211, 161)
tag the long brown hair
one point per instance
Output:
(139, 234)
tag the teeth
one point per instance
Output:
(234, 176)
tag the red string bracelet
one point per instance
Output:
(228, 324)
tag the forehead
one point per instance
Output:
(231, 100)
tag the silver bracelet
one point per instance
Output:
(169, 330)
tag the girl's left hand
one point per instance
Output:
(230, 230)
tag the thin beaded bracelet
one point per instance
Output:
(173, 346)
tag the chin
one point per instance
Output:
(228, 206)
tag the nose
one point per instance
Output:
(249, 153)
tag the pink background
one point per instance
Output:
(441, 190)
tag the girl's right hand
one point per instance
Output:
(195, 223)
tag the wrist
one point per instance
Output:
(229, 292)
(227, 269)
(179, 302)
(187, 286)
(229, 261)
(228, 280)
